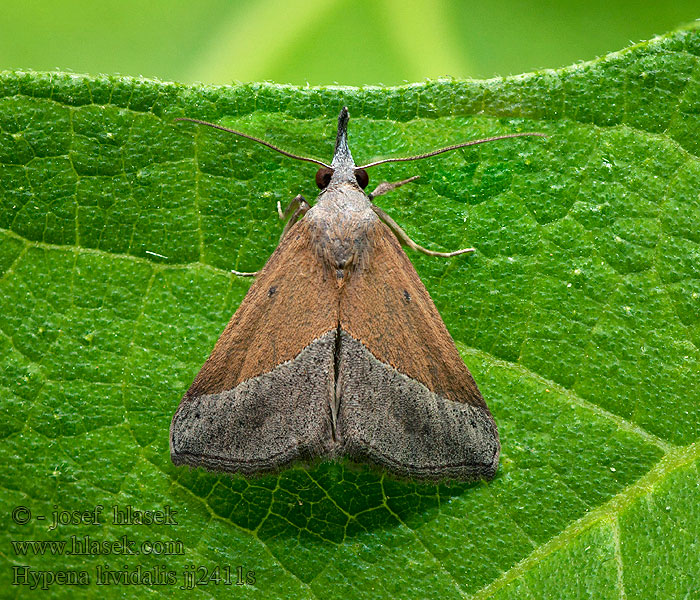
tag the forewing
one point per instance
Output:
(263, 397)
(406, 400)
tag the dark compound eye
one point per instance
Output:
(323, 177)
(362, 178)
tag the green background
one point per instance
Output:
(320, 42)
(579, 316)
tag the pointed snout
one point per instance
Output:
(343, 164)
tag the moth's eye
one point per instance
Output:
(323, 177)
(362, 178)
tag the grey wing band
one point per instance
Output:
(397, 422)
(265, 422)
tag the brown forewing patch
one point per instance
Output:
(292, 302)
(385, 306)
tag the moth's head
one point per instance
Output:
(343, 168)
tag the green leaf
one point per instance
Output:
(579, 316)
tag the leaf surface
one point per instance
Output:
(579, 316)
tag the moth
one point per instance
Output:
(337, 350)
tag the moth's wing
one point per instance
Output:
(406, 399)
(263, 398)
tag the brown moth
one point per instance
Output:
(337, 350)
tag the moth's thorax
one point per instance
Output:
(342, 196)
(342, 223)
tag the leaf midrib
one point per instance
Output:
(674, 459)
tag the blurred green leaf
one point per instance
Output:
(579, 316)
(349, 42)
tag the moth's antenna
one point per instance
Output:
(449, 148)
(254, 139)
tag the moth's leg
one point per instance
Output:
(296, 208)
(403, 236)
(291, 207)
(244, 273)
(385, 186)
